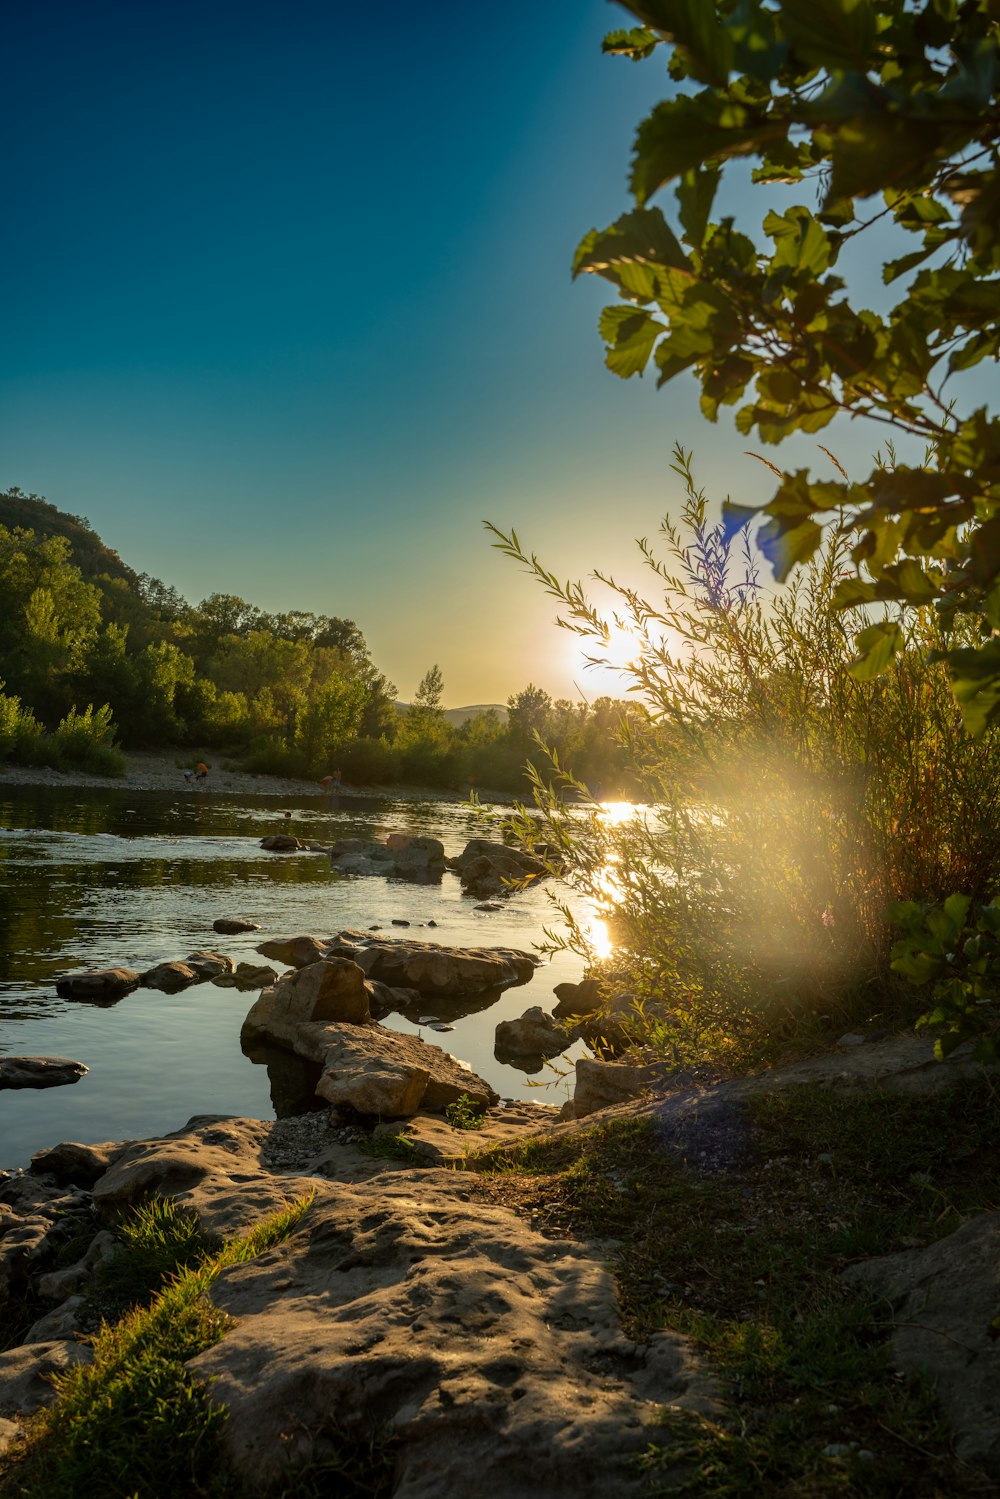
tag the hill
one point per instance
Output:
(30, 512)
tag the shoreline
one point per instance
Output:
(148, 770)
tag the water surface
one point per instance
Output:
(98, 878)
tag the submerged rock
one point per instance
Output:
(403, 856)
(230, 925)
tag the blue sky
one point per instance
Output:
(288, 312)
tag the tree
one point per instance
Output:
(528, 710)
(888, 112)
(429, 692)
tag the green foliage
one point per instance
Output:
(464, 1113)
(854, 99)
(789, 798)
(134, 1421)
(85, 741)
(957, 949)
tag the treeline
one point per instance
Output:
(93, 654)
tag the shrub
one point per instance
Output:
(86, 741)
(790, 798)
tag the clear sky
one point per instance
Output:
(288, 311)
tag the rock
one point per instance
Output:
(11, 1432)
(577, 999)
(171, 977)
(210, 965)
(402, 857)
(70, 1163)
(489, 905)
(211, 1168)
(384, 1000)
(39, 1072)
(944, 1301)
(230, 925)
(102, 983)
(398, 921)
(450, 972)
(486, 868)
(416, 859)
(280, 843)
(435, 1141)
(25, 1371)
(62, 1322)
(534, 1034)
(332, 989)
(247, 976)
(58, 1284)
(388, 1074)
(295, 952)
(601, 1085)
(483, 1347)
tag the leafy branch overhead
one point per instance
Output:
(883, 112)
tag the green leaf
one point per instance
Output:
(785, 545)
(683, 134)
(877, 150)
(631, 336)
(876, 646)
(956, 908)
(642, 237)
(800, 240)
(695, 26)
(695, 194)
(636, 43)
(975, 681)
(831, 34)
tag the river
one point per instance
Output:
(100, 878)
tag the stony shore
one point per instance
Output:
(156, 771)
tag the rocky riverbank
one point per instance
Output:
(517, 1324)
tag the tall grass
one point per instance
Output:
(789, 801)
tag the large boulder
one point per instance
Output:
(39, 1072)
(577, 999)
(602, 1085)
(280, 843)
(486, 868)
(294, 952)
(944, 1302)
(449, 972)
(388, 1074)
(98, 984)
(419, 860)
(403, 856)
(332, 989)
(70, 1163)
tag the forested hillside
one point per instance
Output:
(92, 652)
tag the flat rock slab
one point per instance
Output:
(39, 1072)
(437, 971)
(944, 1301)
(210, 1167)
(492, 1356)
(434, 1140)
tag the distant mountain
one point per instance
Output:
(31, 513)
(458, 716)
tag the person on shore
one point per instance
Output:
(201, 771)
(330, 783)
(188, 777)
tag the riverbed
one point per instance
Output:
(98, 877)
